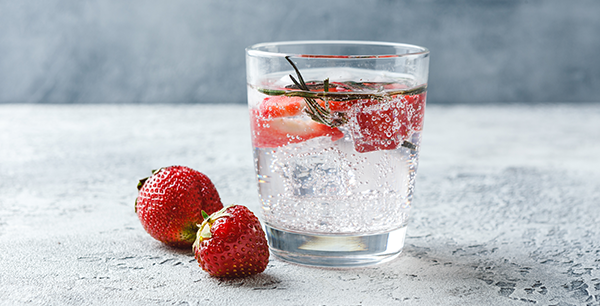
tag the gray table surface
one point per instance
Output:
(506, 210)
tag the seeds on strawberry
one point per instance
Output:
(386, 125)
(281, 106)
(416, 107)
(231, 243)
(170, 204)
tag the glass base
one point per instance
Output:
(335, 250)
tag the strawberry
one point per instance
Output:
(231, 243)
(379, 127)
(282, 106)
(170, 204)
(277, 132)
(416, 107)
(384, 126)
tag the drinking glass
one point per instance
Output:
(336, 132)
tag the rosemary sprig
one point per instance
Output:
(314, 110)
(342, 96)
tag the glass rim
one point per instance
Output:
(255, 50)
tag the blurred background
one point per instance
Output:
(192, 51)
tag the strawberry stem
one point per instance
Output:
(204, 232)
(204, 228)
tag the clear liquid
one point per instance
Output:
(336, 251)
(343, 201)
(328, 188)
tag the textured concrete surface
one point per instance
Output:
(191, 51)
(506, 210)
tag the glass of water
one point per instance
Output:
(336, 130)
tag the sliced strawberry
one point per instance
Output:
(277, 132)
(416, 107)
(384, 126)
(395, 86)
(380, 127)
(282, 106)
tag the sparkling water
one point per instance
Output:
(339, 200)
(328, 188)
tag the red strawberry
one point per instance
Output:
(231, 243)
(379, 127)
(277, 132)
(416, 107)
(385, 125)
(282, 106)
(170, 204)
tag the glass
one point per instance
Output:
(336, 129)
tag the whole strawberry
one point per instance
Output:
(170, 204)
(231, 243)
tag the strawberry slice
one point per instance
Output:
(416, 107)
(282, 106)
(384, 126)
(379, 127)
(277, 132)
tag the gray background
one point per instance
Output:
(156, 51)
